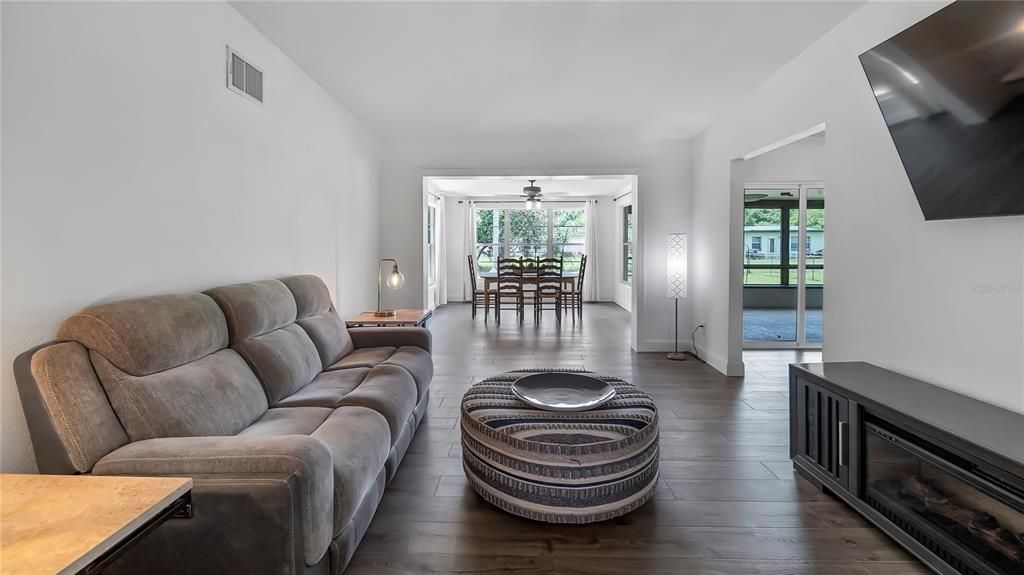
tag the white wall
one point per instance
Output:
(663, 201)
(801, 161)
(130, 169)
(909, 295)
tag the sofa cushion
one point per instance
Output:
(359, 440)
(329, 335)
(311, 295)
(327, 389)
(254, 308)
(315, 313)
(388, 390)
(288, 421)
(285, 360)
(364, 357)
(417, 362)
(215, 395)
(146, 335)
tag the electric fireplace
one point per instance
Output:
(939, 472)
(973, 524)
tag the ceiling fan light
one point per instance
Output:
(532, 194)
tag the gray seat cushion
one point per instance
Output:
(288, 421)
(389, 390)
(359, 440)
(327, 389)
(417, 362)
(364, 357)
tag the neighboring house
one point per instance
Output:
(765, 241)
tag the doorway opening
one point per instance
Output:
(473, 221)
(778, 248)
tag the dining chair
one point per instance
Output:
(480, 297)
(509, 291)
(573, 296)
(548, 287)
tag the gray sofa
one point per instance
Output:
(290, 424)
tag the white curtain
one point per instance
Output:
(468, 247)
(590, 277)
(441, 231)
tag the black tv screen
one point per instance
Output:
(951, 90)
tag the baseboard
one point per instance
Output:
(662, 346)
(734, 369)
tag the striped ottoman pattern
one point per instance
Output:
(560, 467)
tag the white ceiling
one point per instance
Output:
(553, 187)
(547, 69)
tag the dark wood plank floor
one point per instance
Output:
(727, 502)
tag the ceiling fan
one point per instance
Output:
(533, 196)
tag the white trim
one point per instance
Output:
(813, 130)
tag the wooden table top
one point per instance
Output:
(401, 317)
(61, 523)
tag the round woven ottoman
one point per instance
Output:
(560, 467)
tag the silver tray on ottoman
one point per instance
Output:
(563, 391)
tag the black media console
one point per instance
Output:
(940, 472)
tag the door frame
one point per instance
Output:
(801, 292)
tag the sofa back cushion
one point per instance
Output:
(214, 395)
(163, 364)
(315, 313)
(150, 334)
(261, 321)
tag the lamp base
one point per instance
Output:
(385, 313)
(676, 356)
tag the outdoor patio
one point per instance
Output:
(779, 325)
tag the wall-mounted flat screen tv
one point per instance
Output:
(951, 90)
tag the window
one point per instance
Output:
(490, 238)
(518, 233)
(568, 237)
(432, 246)
(755, 243)
(627, 244)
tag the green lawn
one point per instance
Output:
(773, 277)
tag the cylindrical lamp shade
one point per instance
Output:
(676, 266)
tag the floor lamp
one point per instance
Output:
(676, 269)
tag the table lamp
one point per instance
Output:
(394, 280)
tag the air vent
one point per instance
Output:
(243, 77)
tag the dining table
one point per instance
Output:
(491, 277)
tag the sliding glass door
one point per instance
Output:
(783, 265)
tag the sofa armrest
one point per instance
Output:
(390, 336)
(304, 461)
